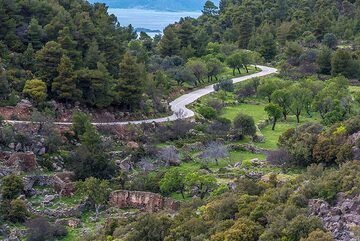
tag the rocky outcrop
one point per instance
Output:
(145, 201)
(340, 219)
(22, 111)
(22, 161)
(62, 182)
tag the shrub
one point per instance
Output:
(40, 229)
(216, 104)
(14, 210)
(280, 157)
(318, 235)
(207, 112)
(80, 121)
(226, 85)
(244, 125)
(12, 187)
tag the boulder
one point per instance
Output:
(133, 145)
(145, 201)
(174, 162)
(23, 161)
(68, 190)
(48, 199)
(63, 183)
(238, 164)
(65, 176)
(125, 165)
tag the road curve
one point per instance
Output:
(178, 106)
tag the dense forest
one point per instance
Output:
(269, 158)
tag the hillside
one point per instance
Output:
(266, 156)
(161, 5)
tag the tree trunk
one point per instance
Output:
(247, 71)
(234, 71)
(239, 70)
(298, 117)
(182, 193)
(285, 115)
(97, 210)
(274, 123)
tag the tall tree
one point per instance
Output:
(210, 9)
(93, 55)
(28, 58)
(96, 190)
(4, 84)
(299, 97)
(274, 112)
(35, 34)
(170, 43)
(69, 45)
(282, 98)
(129, 88)
(245, 24)
(48, 59)
(64, 86)
(198, 67)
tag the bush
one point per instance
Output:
(244, 125)
(207, 112)
(41, 230)
(14, 210)
(226, 85)
(80, 121)
(280, 157)
(216, 104)
(12, 187)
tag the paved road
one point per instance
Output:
(178, 106)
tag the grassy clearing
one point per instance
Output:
(256, 111)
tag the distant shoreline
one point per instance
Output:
(153, 21)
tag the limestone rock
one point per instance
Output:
(146, 201)
(23, 161)
(132, 145)
(338, 219)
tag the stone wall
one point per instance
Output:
(145, 201)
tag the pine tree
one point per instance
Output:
(4, 84)
(170, 43)
(130, 84)
(28, 58)
(93, 55)
(64, 86)
(48, 59)
(35, 33)
(67, 42)
(245, 25)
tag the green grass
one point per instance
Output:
(256, 111)
(272, 136)
(244, 156)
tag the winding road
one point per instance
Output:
(178, 106)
